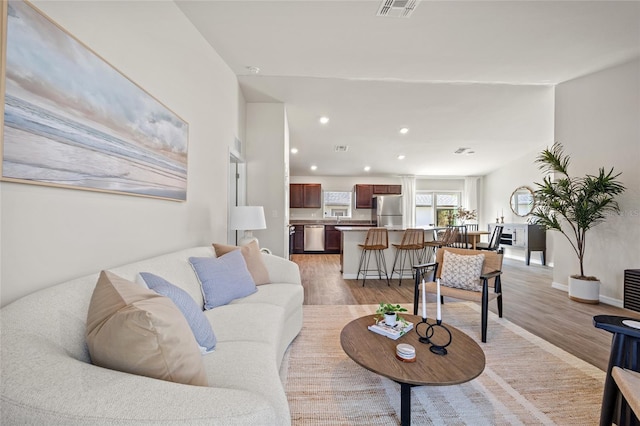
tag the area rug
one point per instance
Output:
(526, 379)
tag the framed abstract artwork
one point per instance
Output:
(72, 120)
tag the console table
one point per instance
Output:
(528, 237)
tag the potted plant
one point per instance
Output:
(461, 215)
(389, 313)
(572, 206)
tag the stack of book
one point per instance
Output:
(399, 329)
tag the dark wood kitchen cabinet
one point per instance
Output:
(363, 196)
(298, 240)
(332, 239)
(364, 193)
(305, 195)
(387, 189)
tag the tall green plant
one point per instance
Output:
(573, 205)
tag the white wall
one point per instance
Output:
(597, 121)
(496, 193)
(50, 235)
(267, 147)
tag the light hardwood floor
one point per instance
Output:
(528, 298)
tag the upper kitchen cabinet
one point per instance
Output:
(365, 193)
(387, 189)
(305, 195)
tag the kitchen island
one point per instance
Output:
(350, 252)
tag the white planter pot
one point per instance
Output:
(584, 291)
(390, 319)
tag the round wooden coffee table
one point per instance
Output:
(463, 362)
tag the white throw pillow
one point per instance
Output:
(462, 271)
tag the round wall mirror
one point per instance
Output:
(522, 201)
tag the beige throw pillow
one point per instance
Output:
(462, 271)
(136, 330)
(252, 257)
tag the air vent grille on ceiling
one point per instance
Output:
(341, 148)
(397, 8)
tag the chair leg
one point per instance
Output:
(499, 300)
(403, 262)
(384, 265)
(360, 263)
(610, 392)
(485, 308)
(395, 263)
(366, 257)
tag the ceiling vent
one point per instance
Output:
(341, 148)
(397, 8)
(467, 151)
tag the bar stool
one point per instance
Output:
(410, 249)
(376, 242)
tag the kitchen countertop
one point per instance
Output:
(334, 222)
(389, 228)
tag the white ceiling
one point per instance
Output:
(476, 74)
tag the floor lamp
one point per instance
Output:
(248, 219)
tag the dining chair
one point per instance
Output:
(441, 238)
(462, 240)
(375, 242)
(480, 283)
(494, 241)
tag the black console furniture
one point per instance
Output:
(524, 236)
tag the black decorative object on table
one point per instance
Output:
(430, 330)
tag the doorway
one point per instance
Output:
(237, 190)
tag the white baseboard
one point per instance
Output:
(559, 286)
(603, 299)
(534, 260)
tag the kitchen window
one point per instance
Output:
(337, 204)
(435, 208)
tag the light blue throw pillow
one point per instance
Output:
(198, 322)
(223, 278)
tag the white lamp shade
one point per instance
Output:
(247, 218)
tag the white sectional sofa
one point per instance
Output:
(46, 375)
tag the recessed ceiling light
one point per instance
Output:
(294, 150)
(401, 157)
(314, 167)
(324, 120)
(404, 130)
(253, 69)
(367, 168)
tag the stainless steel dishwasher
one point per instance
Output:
(314, 238)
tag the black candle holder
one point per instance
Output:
(429, 332)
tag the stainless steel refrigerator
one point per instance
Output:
(387, 210)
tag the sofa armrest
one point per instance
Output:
(282, 270)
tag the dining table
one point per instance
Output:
(473, 237)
